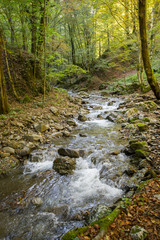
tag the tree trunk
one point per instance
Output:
(145, 49)
(33, 29)
(4, 107)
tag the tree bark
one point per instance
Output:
(145, 49)
(4, 107)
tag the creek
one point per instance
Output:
(97, 180)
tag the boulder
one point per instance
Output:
(138, 233)
(99, 212)
(33, 137)
(142, 127)
(70, 153)
(9, 150)
(131, 112)
(41, 127)
(134, 145)
(25, 152)
(64, 165)
(82, 118)
(66, 134)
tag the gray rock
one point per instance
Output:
(138, 233)
(54, 110)
(37, 201)
(64, 165)
(9, 150)
(99, 212)
(69, 153)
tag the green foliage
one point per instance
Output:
(26, 99)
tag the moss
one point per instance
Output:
(142, 127)
(151, 105)
(104, 223)
(139, 146)
(146, 119)
(26, 99)
(73, 233)
(142, 154)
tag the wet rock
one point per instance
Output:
(138, 233)
(66, 134)
(69, 153)
(64, 165)
(130, 172)
(111, 103)
(99, 212)
(111, 117)
(71, 123)
(83, 135)
(82, 118)
(37, 201)
(36, 158)
(60, 211)
(25, 152)
(116, 153)
(41, 127)
(9, 150)
(54, 110)
(58, 127)
(100, 116)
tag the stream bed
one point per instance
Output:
(97, 180)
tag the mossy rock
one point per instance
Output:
(142, 127)
(151, 105)
(139, 146)
(131, 112)
(142, 154)
(147, 106)
(104, 223)
(146, 119)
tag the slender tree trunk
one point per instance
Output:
(72, 45)
(44, 27)
(9, 73)
(145, 49)
(4, 107)
(33, 29)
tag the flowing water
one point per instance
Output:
(98, 179)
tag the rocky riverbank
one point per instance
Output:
(29, 125)
(138, 211)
